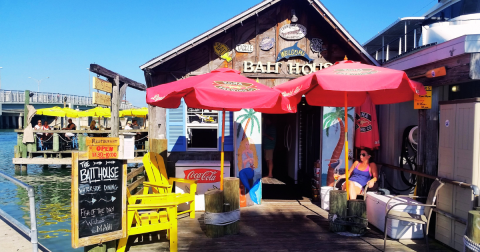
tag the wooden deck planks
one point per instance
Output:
(277, 227)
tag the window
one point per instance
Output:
(190, 129)
(202, 129)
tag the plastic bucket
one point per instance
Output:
(325, 197)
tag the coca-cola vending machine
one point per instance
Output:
(207, 174)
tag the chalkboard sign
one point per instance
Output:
(98, 200)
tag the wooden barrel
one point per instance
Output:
(214, 204)
(232, 198)
(473, 229)
(357, 208)
(338, 206)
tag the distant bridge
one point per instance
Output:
(12, 104)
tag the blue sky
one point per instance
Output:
(59, 39)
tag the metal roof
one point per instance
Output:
(243, 16)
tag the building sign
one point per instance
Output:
(102, 147)
(98, 200)
(423, 101)
(267, 43)
(248, 67)
(244, 48)
(296, 68)
(102, 85)
(293, 51)
(293, 31)
(293, 68)
(222, 51)
(316, 45)
(203, 175)
(101, 99)
(107, 141)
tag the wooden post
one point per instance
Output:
(17, 154)
(147, 146)
(27, 102)
(473, 226)
(116, 100)
(427, 152)
(56, 142)
(232, 197)
(32, 146)
(214, 204)
(338, 206)
(20, 121)
(357, 208)
(159, 146)
(82, 146)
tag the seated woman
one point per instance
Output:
(360, 174)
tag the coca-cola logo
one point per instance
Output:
(203, 175)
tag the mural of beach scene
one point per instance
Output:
(248, 155)
(333, 151)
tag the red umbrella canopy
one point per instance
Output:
(221, 89)
(327, 87)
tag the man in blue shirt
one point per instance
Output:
(268, 142)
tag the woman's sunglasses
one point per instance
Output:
(363, 154)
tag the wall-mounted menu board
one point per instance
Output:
(98, 200)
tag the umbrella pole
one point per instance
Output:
(222, 154)
(346, 147)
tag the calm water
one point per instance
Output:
(52, 197)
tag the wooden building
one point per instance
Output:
(273, 42)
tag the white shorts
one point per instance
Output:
(69, 134)
(356, 184)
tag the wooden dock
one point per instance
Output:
(277, 226)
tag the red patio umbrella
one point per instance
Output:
(347, 83)
(222, 89)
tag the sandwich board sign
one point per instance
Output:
(98, 194)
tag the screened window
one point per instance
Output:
(202, 129)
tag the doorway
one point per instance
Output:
(284, 184)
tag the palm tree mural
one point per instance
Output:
(329, 120)
(248, 159)
(249, 117)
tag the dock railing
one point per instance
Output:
(18, 96)
(32, 232)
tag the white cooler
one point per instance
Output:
(325, 197)
(395, 229)
(207, 174)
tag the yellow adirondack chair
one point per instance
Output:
(151, 213)
(159, 182)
